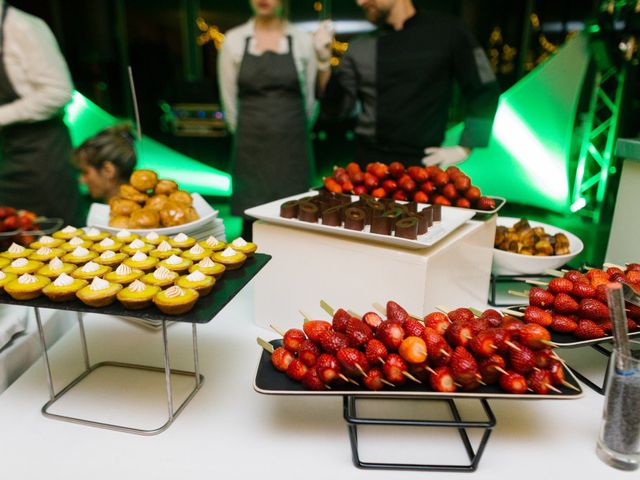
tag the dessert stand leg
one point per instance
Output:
(596, 388)
(353, 421)
(172, 414)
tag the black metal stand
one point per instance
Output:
(353, 421)
(596, 388)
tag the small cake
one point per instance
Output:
(162, 277)
(107, 244)
(90, 270)
(182, 241)
(137, 246)
(176, 264)
(197, 280)
(124, 275)
(208, 267)
(231, 259)
(68, 232)
(196, 253)
(248, 248)
(44, 254)
(64, 288)
(4, 262)
(137, 295)
(111, 258)
(94, 235)
(23, 265)
(164, 250)
(175, 300)
(153, 238)
(141, 261)
(26, 286)
(46, 241)
(213, 244)
(74, 243)
(99, 293)
(16, 251)
(79, 256)
(125, 236)
(55, 268)
(6, 278)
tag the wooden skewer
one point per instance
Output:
(354, 314)
(554, 273)
(613, 265)
(513, 345)
(380, 308)
(551, 344)
(513, 313)
(552, 388)
(411, 377)
(347, 379)
(480, 381)
(362, 372)
(499, 369)
(305, 316)
(442, 309)
(327, 386)
(518, 294)
(475, 311)
(264, 344)
(277, 330)
(569, 385)
(327, 308)
(537, 282)
(387, 382)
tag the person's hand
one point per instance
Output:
(322, 40)
(444, 156)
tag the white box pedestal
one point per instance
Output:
(309, 266)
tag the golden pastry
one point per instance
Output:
(107, 244)
(125, 236)
(16, 251)
(165, 187)
(144, 180)
(176, 300)
(157, 202)
(122, 207)
(200, 282)
(144, 218)
(136, 246)
(213, 244)
(119, 221)
(137, 295)
(164, 250)
(79, 256)
(192, 215)
(182, 241)
(181, 196)
(67, 233)
(123, 275)
(26, 286)
(46, 241)
(55, 268)
(111, 258)
(90, 270)
(74, 243)
(162, 277)
(174, 214)
(240, 245)
(196, 253)
(4, 262)
(153, 238)
(208, 267)
(141, 261)
(44, 254)
(64, 288)
(176, 264)
(230, 258)
(94, 235)
(129, 193)
(23, 265)
(99, 293)
(6, 278)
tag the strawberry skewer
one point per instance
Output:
(404, 372)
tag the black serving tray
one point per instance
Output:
(270, 381)
(206, 308)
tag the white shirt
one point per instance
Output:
(230, 58)
(36, 69)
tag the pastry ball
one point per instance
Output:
(173, 214)
(130, 193)
(192, 215)
(119, 221)
(166, 187)
(181, 197)
(122, 206)
(144, 180)
(144, 218)
(156, 202)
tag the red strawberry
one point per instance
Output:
(407, 184)
(538, 297)
(420, 370)
(440, 179)
(522, 359)
(389, 185)
(375, 351)
(393, 369)
(441, 380)
(308, 353)
(372, 319)
(380, 170)
(633, 267)
(413, 350)
(428, 187)
(463, 203)
(340, 319)
(544, 358)
(611, 271)
(512, 325)
(332, 341)
(473, 194)
(373, 380)
(560, 285)
(462, 183)
(464, 367)
(537, 315)
(328, 368)
(390, 334)
(483, 344)
(358, 332)
(353, 362)
(607, 326)
(486, 203)
(438, 321)
(461, 315)
(400, 196)
(593, 309)
(489, 368)
(565, 304)
(438, 348)
(396, 169)
(556, 370)
(413, 328)
(419, 174)
(371, 181)
(535, 336)
(563, 323)
(500, 337)
(632, 325)
(617, 277)
(512, 382)
(588, 330)
(281, 358)
(360, 190)
(315, 328)
(441, 200)
(633, 311)
(312, 380)
(478, 324)
(632, 276)
(396, 313)
(601, 293)
(449, 191)
(454, 172)
(493, 317)
(539, 381)
(583, 290)
(297, 370)
(292, 339)
(459, 334)
(420, 197)
(574, 276)
(357, 178)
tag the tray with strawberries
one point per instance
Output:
(23, 226)
(450, 187)
(457, 354)
(573, 305)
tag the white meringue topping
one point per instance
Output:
(107, 254)
(137, 243)
(137, 286)
(229, 252)
(174, 260)
(43, 251)
(68, 229)
(206, 262)
(196, 276)
(164, 246)
(46, 240)
(98, 284)
(174, 292)
(75, 241)
(163, 273)
(80, 252)
(56, 264)
(63, 280)
(123, 234)
(26, 279)
(239, 242)
(123, 269)
(20, 262)
(212, 241)
(196, 250)
(90, 267)
(107, 242)
(15, 248)
(2, 275)
(181, 237)
(93, 232)
(152, 236)
(139, 257)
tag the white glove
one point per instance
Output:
(322, 40)
(444, 156)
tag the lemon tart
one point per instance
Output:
(4, 262)
(176, 263)
(75, 242)
(16, 251)
(141, 261)
(213, 244)
(136, 246)
(99, 293)
(197, 280)
(67, 233)
(107, 244)
(230, 258)
(175, 300)
(55, 268)
(79, 256)
(137, 295)
(94, 235)
(46, 241)
(240, 245)
(44, 254)
(23, 265)
(64, 288)
(196, 253)
(124, 275)
(90, 270)
(125, 236)
(6, 278)
(26, 286)
(162, 277)
(182, 241)
(110, 258)
(164, 250)
(153, 238)
(208, 267)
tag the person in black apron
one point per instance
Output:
(35, 169)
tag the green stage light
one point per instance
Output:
(579, 204)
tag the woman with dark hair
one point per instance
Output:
(106, 161)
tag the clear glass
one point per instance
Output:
(619, 441)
